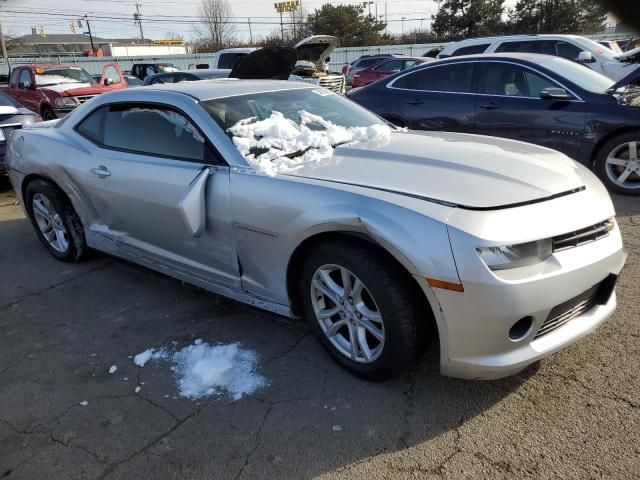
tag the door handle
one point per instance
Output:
(415, 101)
(490, 106)
(101, 171)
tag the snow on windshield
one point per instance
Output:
(54, 79)
(280, 145)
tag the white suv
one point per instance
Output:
(572, 47)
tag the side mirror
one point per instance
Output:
(585, 57)
(108, 81)
(556, 94)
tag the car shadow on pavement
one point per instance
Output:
(65, 325)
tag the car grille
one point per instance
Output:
(335, 84)
(561, 314)
(580, 237)
(83, 98)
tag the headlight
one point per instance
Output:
(66, 102)
(514, 256)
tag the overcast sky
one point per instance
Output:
(114, 18)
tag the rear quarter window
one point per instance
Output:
(471, 50)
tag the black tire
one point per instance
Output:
(403, 315)
(68, 217)
(600, 166)
(48, 113)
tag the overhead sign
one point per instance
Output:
(168, 42)
(290, 6)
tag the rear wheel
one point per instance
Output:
(618, 164)
(362, 309)
(55, 221)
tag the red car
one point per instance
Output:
(385, 68)
(54, 90)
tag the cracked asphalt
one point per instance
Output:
(574, 415)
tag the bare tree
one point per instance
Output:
(215, 29)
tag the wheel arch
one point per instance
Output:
(606, 138)
(31, 178)
(296, 261)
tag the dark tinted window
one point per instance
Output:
(446, 78)
(92, 126)
(471, 50)
(367, 62)
(547, 47)
(391, 66)
(512, 80)
(163, 79)
(25, 76)
(568, 50)
(228, 60)
(13, 83)
(7, 101)
(149, 130)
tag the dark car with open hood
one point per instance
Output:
(541, 99)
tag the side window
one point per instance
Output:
(368, 62)
(153, 130)
(228, 60)
(392, 66)
(112, 73)
(471, 50)
(410, 64)
(546, 47)
(25, 78)
(568, 50)
(509, 80)
(92, 126)
(445, 78)
(13, 82)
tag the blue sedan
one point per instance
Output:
(540, 99)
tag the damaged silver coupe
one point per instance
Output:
(289, 197)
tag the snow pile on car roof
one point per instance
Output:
(279, 145)
(203, 369)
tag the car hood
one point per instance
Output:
(631, 78)
(266, 64)
(632, 56)
(73, 89)
(468, 171)
(316, 49)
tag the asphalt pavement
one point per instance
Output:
(573, 415)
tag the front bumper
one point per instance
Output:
(478, 320)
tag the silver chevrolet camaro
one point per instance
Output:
(502, 251)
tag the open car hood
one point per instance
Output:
(632, 56)
(275, 63)
(316, 49)
(632, 78)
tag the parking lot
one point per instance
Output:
(574, 415)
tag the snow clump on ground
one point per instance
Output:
(285, 146)
(202, 369)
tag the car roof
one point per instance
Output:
(228, 87)
(527, 57)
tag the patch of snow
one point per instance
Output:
(113, 369)
(198, 341)
(205, 369)
(279, 145)
(137, 389)
(142, 358)
(84, 403)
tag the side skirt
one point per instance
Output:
(103, 243)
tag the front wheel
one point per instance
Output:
(618, 164)
(362, 309)
(55, 221)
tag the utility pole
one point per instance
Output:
(137, 18)
(403, 19)
(250, 34)
(86, 19)
(386, 19)
(3, 45)
(281, 27)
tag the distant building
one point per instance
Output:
(78, 45)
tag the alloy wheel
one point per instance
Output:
(623, 166)
(50, 223)
(347, 313)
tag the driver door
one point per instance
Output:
(160, 192)
(112, 77)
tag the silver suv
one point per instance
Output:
(572, 47)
